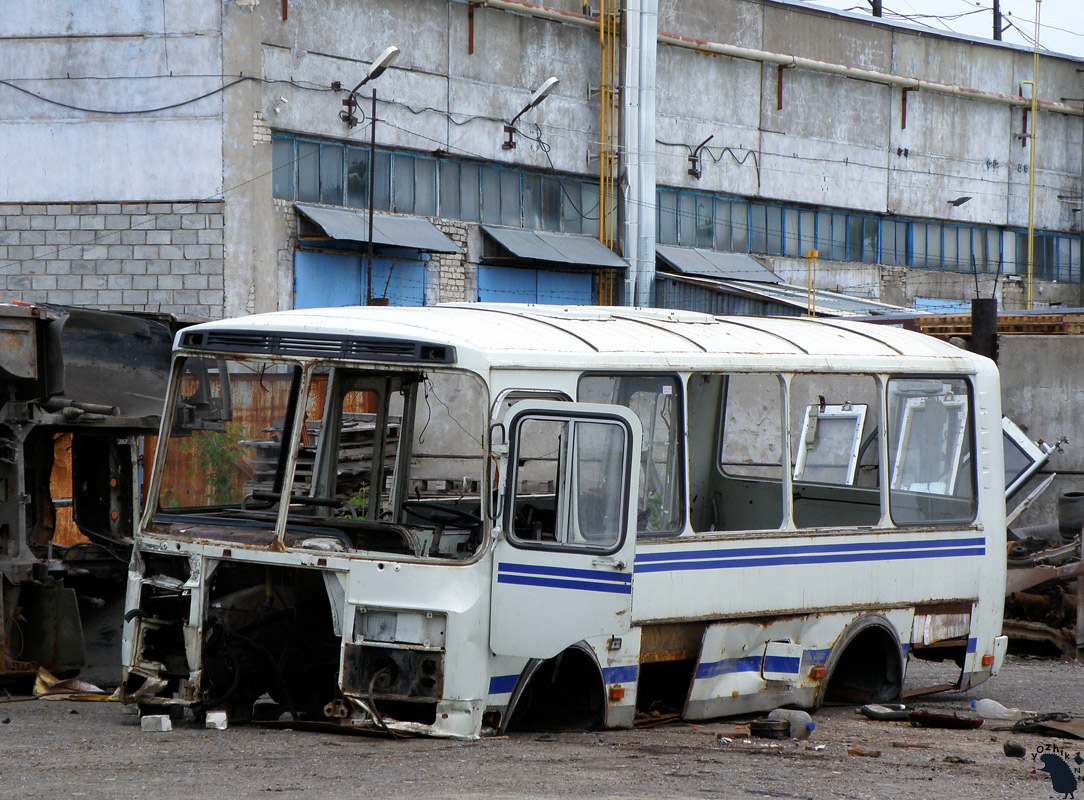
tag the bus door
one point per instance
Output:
(562, 571)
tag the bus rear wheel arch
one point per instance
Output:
(866, 664)
(563, 693)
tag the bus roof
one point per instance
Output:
(492, 335)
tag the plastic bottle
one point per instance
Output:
(992, 709)
(800, 723)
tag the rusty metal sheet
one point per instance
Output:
(18, 344)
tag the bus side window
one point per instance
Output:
(747, 489)
(833, 422)
(656, 400)
(930, 451)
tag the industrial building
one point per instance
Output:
(213, 157)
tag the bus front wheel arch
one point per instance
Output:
(866, 664)
(563, 693)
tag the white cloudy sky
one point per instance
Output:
(1061, 21)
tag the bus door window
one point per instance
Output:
(930, 451)
(656, 400)
(833, 423)
(569, 482)
(748, 490)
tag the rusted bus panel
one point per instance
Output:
(676, 641)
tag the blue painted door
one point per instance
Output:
(513, 285)
(338, 279)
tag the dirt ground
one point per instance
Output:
(52, 749)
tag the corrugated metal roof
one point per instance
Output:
(773, 298)
(714, 264)
(398, 230)
(559, 248)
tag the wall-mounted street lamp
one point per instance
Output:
(539, 95)
(959, 201)
(376, 69)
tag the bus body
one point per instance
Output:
(455, 519)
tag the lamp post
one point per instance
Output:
(376, 69)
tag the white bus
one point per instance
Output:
(460, 519)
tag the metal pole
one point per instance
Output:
(372, 188)
(1031, 159)
(997, 20)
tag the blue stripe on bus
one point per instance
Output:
(620, 674)
(729, 562)
(564, 572)
(784, 664)
(557, 583)
(502, 684)
(684, 555)
(753, 664)
(727, 665)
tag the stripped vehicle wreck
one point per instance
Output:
(458, 519)
(81, 386)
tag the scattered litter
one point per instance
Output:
(7, 720)
(992, 709)
(216, 720)
(883, 713)
(799, 724)
(815, 747)
(1055, 724)
(49, 687)
(156, 722)
(911, 745)
(952, 759)
(858, 751)
(1015, 749)
(927, 719)
(770, 728)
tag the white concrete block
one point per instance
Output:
(156, 722)
(216, 720)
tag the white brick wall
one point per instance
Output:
(123, 256)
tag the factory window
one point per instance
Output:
(413, 183)
(893, 242)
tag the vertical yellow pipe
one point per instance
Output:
(811, 274)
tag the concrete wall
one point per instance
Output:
(117, 57)
(834, 142)
(1042, 390)
(839, 142)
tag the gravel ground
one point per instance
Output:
(52, 749)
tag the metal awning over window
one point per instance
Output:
(398, 230)
(713, 264)
(572, 249)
